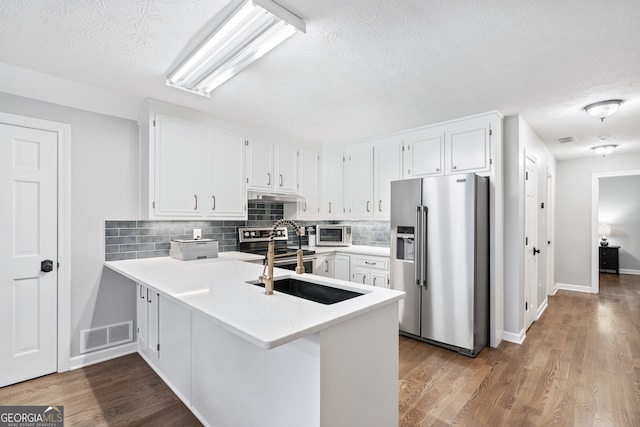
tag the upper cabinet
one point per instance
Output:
(309, 176)
(370, 168)
(423, 153)
(272, 167)
(460, 146)
(387, 167)
(359, 181)
(468, 146)
(191, 170)
(332, 188)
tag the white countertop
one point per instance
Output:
(216, 289)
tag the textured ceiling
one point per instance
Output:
(363, 69)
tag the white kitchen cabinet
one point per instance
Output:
(325, 265)
(332, 194)
(332, 265)
(179, 146)
(387, 167)
(370, 168)
(342, 267)
(423, 153)
(359, 181)
(309, 184)
(228, 197)
(148, 321)
(174, 355)
(193, 170)
(370, 270)
(467, 146)
(272, 167)
(142, 317)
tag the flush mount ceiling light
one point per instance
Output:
(603, 109)
(251, 30)
(604, 149)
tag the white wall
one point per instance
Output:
(104, 185)
(521, 141)
(619, 206)
(573, 215)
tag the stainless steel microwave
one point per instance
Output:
(333, 235)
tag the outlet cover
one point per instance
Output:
(197, 234)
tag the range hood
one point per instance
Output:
(274, 197)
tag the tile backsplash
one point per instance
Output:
(132, 239)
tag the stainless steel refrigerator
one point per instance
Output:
(440, 259)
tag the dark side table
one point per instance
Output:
(609, 261)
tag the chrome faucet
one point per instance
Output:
(267, 278)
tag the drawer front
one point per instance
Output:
(377, 263)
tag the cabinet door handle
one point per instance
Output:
(329, 207)
(213, 200)
(367, 206)
(281, 180)
(379, 205)
(364, 278)
(268, 178)
(536, 251)
(374, 280)
(438, 169)
(195, 196)
(305, 207)
(326, 266)
(141, 292)
(453, 167)
(370, 262)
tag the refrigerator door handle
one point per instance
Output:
(423, 243)
(417, 254)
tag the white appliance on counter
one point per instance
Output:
(187, 250)
(333, 235)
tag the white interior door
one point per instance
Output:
(531, 244)
(28, 226)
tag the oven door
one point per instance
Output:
(290, 264)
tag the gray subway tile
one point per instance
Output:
(137, 247)
(153, 254)
(120, 240)
(166, 245)
(153, 223)
(110, 232)
(120, 224)
(120, 256)
(152, 239)
(136, 231)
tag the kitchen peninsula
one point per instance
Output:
(236, 356)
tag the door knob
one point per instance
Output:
(536, 251)
(46, 266)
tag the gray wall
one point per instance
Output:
(104, 184)
(573, 213)
(520, 141)
(619, 206)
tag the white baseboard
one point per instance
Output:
(515, 338)
(574, 288)
(103, 355)
(542, 308)
(629, 271)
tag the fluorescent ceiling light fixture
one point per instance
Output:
(603, 109)
(253, 29)
(604, 149)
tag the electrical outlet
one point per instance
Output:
(197, 233)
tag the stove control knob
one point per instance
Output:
(246, 234)
(253, 234)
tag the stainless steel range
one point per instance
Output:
(255, 240)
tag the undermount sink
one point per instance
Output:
(311, 291)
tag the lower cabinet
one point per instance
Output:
(333, 265)
(164, 339)
(370, 270)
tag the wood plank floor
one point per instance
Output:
(579, 366)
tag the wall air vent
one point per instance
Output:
(566, 139)
(106, 336)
